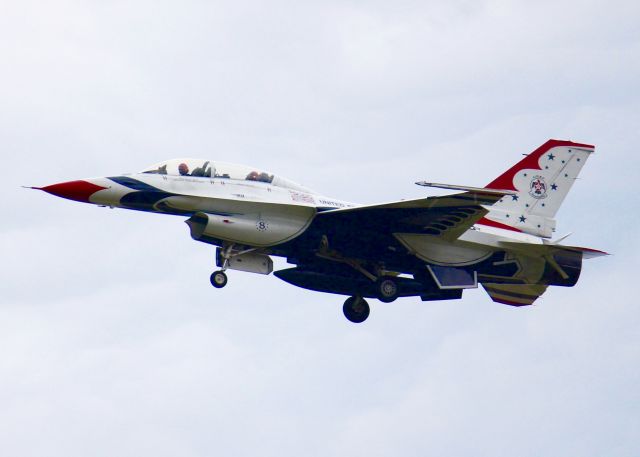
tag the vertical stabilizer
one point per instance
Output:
(542, 180)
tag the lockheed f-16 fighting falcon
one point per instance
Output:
(434, 248)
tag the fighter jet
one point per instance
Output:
(498, 236)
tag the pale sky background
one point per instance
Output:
(112, 341)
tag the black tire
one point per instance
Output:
(387, 290)
(356, 309)
(218, 279)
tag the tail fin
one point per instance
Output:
(542, 180)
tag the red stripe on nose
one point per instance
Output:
(79, 191)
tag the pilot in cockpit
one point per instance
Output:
(202, 171)
(262, 177)
(183, 169)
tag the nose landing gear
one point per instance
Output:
(356, 309)
(218, 279)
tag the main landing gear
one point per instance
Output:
(356, 309)
(386, 289)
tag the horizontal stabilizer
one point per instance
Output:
(549, 248)
(467, 188)
(587, 253)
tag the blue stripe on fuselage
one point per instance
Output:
(134, 184)
(145, 196)
(148, 198)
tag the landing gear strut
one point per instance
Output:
(356, 309)
(218, 279)
(386, 287)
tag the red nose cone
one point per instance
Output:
(79, 191)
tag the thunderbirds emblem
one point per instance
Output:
(538, 187)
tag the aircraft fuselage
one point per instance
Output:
(434, 248)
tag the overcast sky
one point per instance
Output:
(113, 342)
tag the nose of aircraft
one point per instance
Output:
(79, 191)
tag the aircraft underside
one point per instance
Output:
(363, 270)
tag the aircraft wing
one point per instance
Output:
(447, 217)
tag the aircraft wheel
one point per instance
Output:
(356, 309)
(387, 290)
(218, 279)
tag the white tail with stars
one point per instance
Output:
(542, 180)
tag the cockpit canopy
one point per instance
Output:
(219, 170)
